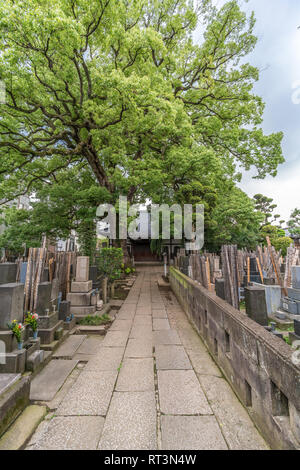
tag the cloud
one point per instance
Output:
(277, 56)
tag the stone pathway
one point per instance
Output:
(151, 385)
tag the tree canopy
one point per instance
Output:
(121, 87)
(294, 223)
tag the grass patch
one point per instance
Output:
(96, 320)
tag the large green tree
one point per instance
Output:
(68, 203)
(266, 206)
(121, 87)
(233, 220)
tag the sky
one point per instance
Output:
(277, 56)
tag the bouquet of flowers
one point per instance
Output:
(17, 329)
(32, 320)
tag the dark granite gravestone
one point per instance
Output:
(184, 267)
(23, 272)
(256, 307)
(220, 288)
(253, 265)
(8, 272)
(44, 298)
(11, 303)
(64, 310)
(297, 327)
(94, 276)
(93, 273)
(45, 275)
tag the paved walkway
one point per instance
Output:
(151, 385)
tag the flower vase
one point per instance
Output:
(20, 345)
(35, 334)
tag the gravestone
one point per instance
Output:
(81, 290)
(295, 277)
(273, 297)
(290, 305)
(294, 293)
(220, 288)
(82, 268)
(8, 273)
(256, 307)
(23, 272)
(297, 327)
(45, 275)
(11, 303)
(94, 277)
(64, 310)
(55, 290)
(44, 298)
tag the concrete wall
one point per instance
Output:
(257, 364)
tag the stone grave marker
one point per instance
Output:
(11, 303)
(82, 269)
(256, 306)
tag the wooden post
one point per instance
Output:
(248, 269)
(260, 271)
(275, 266)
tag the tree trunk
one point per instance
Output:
(126, 257)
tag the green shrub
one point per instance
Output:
(96, 320)
(110, 262)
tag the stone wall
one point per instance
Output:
(257, 364)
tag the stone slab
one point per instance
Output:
(68, 433)
(90, 394)
(7, 381)
(83, 311)
(106, 359)
(237, 427)
(295, 277)
(191, 339)
(8, 272)
(46, 384)
(91, 345)
(136, 375)
(166, 337)
(139, 348)
(121, 325)
(21, 430)
(115, 339)
(44, 297)
(170, 357)
(81, 287)
(159, 313)
(160, 324)
(11, 303)
(143, 310)
(82, 268)
(79, 298)
(180, 393)
(141, 332)
(191, 432)
(69, 347)
(142, 320)
(203, 364)
(130, 422)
